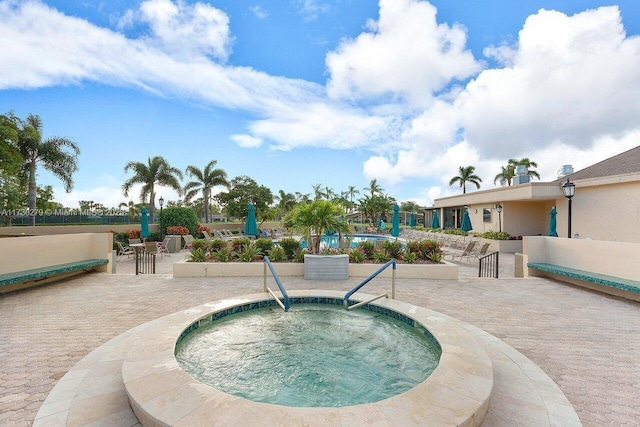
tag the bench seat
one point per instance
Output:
(46, 272)
(587, 276)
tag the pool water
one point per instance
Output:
(332, 241)
(315, 355)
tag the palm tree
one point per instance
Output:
(286, 202)
(49, 153)
(313, 219)
(351, 192)
(528, 164)
(506, 175)
(317, 192)
(204, 181)
(132, 208)
(156, 171)
(466, 174)
(374, 187)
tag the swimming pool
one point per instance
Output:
(315, 355)
(332, 241)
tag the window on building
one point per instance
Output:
(486, 215)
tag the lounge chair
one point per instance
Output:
(188, 239)
(124, 251)
(162, 247)
(481, 252)
(151, 247)
(466, 252)
(206, 235)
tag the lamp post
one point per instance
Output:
(499, 209)
(161, 201)
(569, 190)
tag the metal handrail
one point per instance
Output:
(489, 265)
(287, 303)
(367, 280)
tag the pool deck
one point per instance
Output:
(587, 342)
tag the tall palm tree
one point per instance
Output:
(204, 181)
(156, 171)
(374, 187)
(466, 174)
(351, 192)
(50, 153)
(506, 175)
(528, 164)
(286, 202)
(318, 194)
(132, 208)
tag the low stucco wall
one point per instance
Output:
(445, 271)
(619, 259)
(29, 252)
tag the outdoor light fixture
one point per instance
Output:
(499, 209)
(569, 190)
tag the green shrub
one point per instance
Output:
(177, 215)
(291, 246)
(298, 255)
(154, 236)
(277, 254)
(356, 256)
(428, 248)
(200, 244)
(240, 243)
(413, 246)
(217, 244)
(264, 245)
(436, 257)
(380, 256)
(496, 235)
(393, 248)
(224, 254)
(410, 257)
(198, 255)
(250, 253)
(367, 247)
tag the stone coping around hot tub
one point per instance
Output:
(444, 271)
(162, 394)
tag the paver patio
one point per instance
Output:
(587, 342)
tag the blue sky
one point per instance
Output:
(302, 92)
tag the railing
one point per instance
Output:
(488, 265)
(287, 303)
(145, 262)
(367, 280)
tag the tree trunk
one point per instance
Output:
(152, 201)
(32, 192)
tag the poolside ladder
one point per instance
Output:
(391, 263)
(287, 304)
(488, 265)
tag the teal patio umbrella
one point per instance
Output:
(251, 226)
(466, 222)
(552, 222)
(144, 223)
(412, 220)
(435, 221)
(395, 229)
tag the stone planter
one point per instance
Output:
(326, 267)
(444, 271)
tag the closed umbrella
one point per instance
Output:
(466, 222)
(395, 230)
(412, 220)
(144, 223)
(251, 226)
(552, 222)
(435, 221)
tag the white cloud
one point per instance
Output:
(310, 9)
(259, 12)
(246, 141)
(405, 55)
(183, 29)
(564, 93)
(569, 84)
